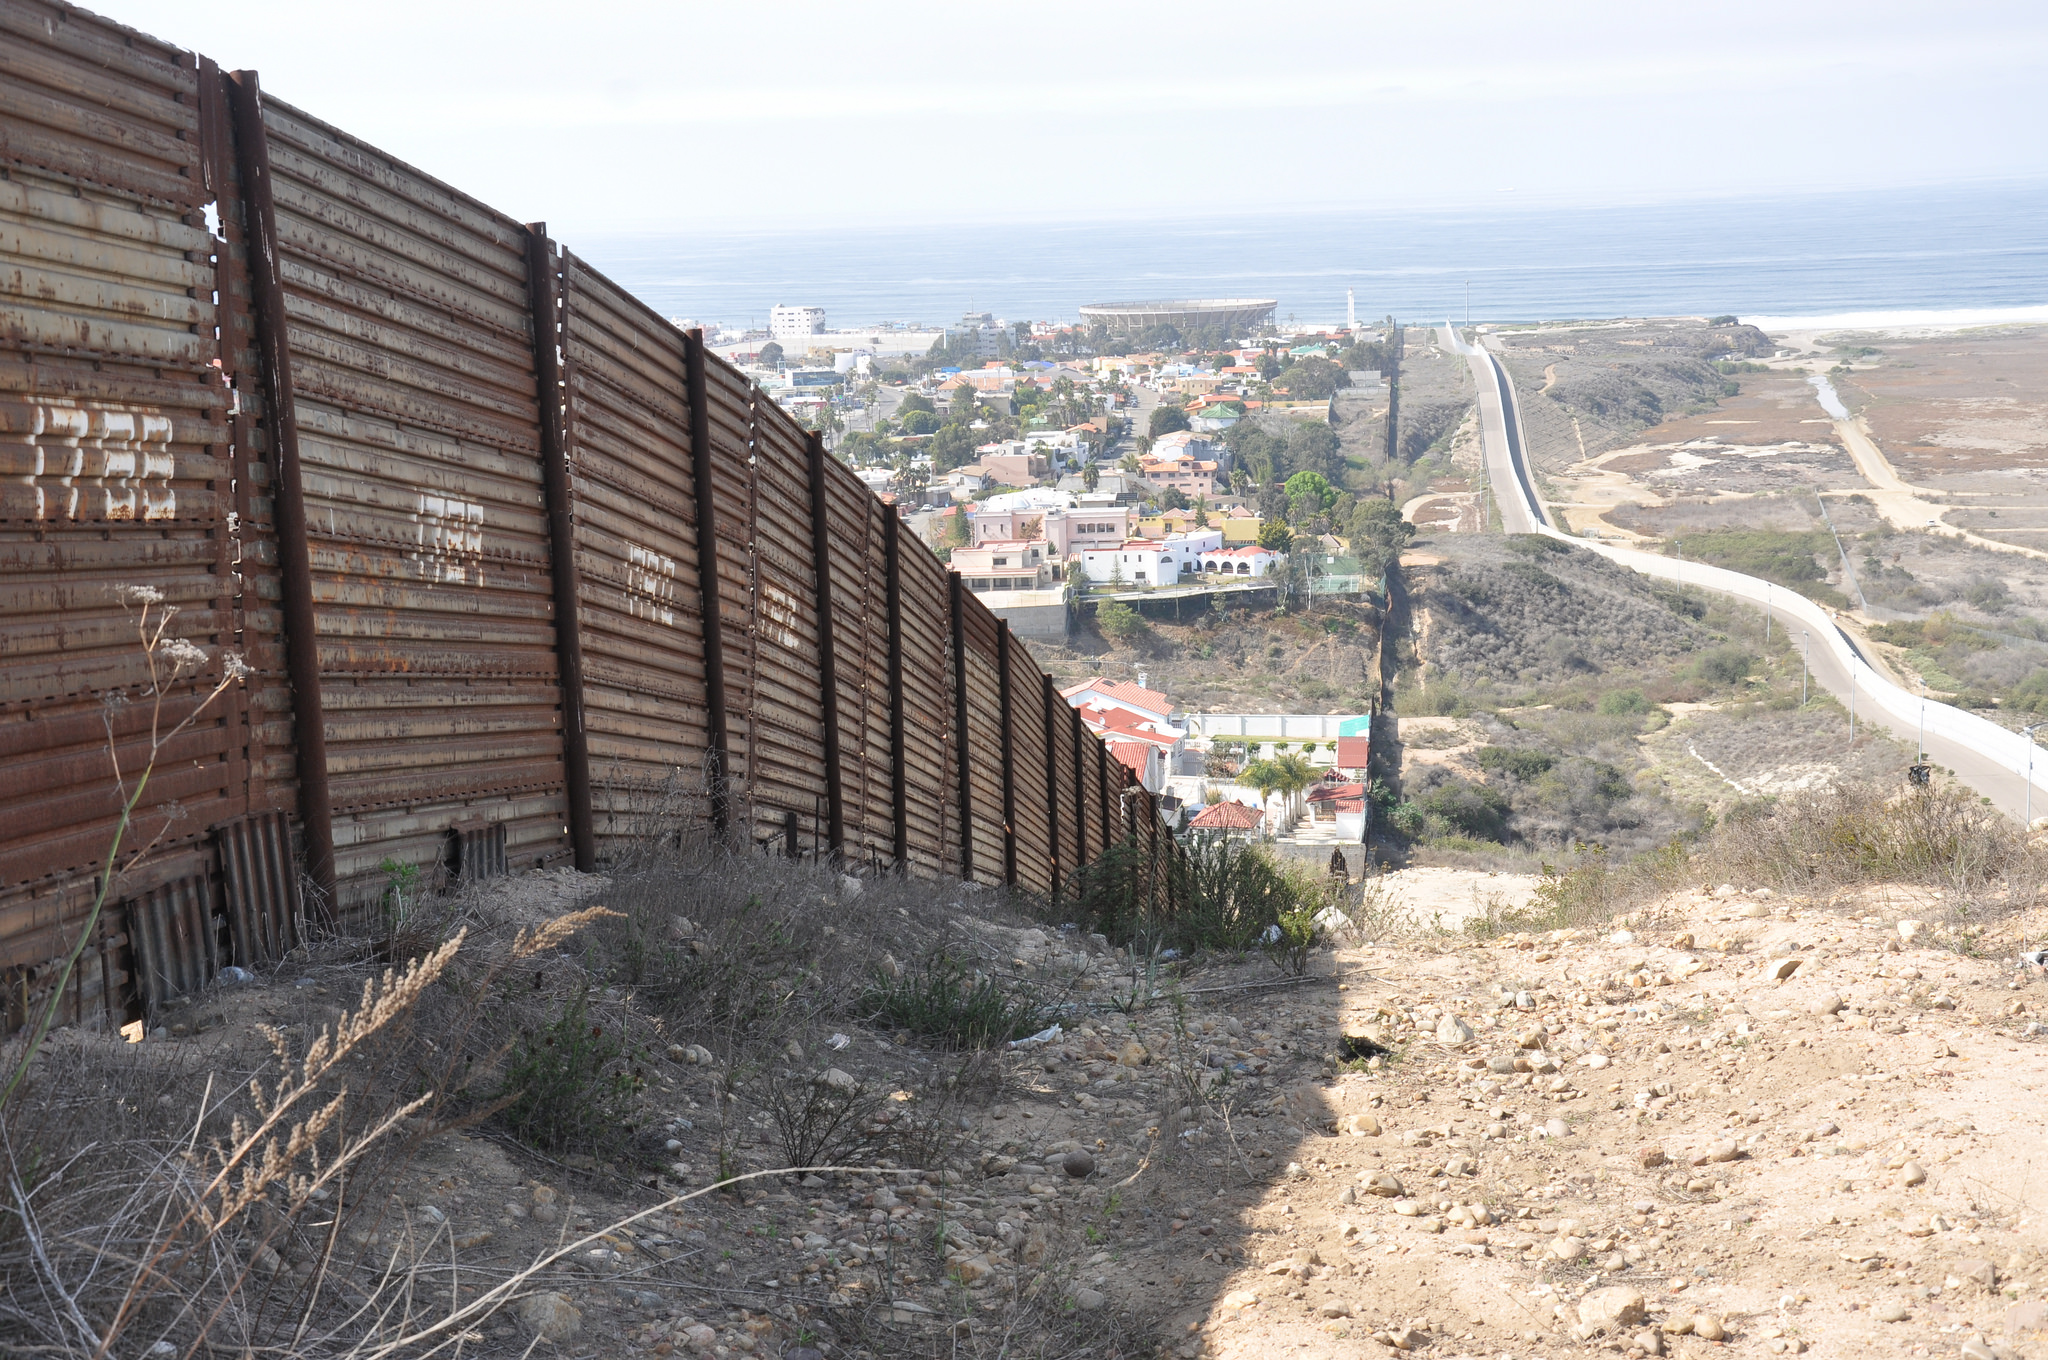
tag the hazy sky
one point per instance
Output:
(610, 117)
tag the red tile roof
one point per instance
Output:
(1226, 817)
(1121, 723)
(1120, 689)
(1135, 754)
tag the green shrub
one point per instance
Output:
(1468, 809)
(945, 1001)
(1988, 594)
(1791, 560)
(1520, 762)
(1233, 895)
(2029, 695)
(571, 1085)
(1724, 666)
(1224, 894)
(1536, 545)
(1118, 620)
(1437, 699)
(1622, 703)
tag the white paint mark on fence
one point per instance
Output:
(93, 464)
(651, 586)
(451, 540)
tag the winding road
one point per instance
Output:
(1982, 754)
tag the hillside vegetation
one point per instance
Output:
(1591, 710)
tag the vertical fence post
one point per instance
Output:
(1149, 804)
(960, 744)
(1076, 734)
(1050, 703)
(1009, 756)
(294, 561)
(899, 743)
(702, 482)
(1102, 789)
(828, 669)
(544, 296)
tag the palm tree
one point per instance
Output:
(1263, 775)
(1293, 775)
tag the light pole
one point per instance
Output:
(1770, 596)
(1804, 639)
(1852, 704)
(2027, 815)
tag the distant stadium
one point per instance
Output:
(1232, 316)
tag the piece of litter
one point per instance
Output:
(1044, 1036)
(837, 1041)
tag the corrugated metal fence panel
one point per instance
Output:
(636, 556)
(259, 872)
(860, 644)
(115, 466)
(177, 938)
(731, 420)
(984, 738)
(928, 711)
(1121, 808)
(1027, 746)
(789, 734)
(1062, 756)
(410, 332)
(97, 104)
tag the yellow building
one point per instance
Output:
(1238, 530)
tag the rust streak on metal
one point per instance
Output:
(543, 291)
(295, 572)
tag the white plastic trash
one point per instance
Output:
(1044, 1036)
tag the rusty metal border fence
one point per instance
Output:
(523, 573)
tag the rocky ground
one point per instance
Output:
(1729, 1124)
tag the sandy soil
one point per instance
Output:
(1717, 1144)
(1629, 1141)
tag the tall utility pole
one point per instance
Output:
(1804, 639)
(2027, 816)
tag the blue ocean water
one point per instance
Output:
(1983, 245)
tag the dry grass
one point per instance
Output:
(1826, 843)
(1835, 840)
(178, 1199)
